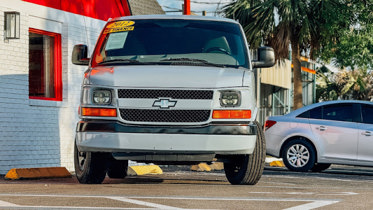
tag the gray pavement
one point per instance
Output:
(337, 188)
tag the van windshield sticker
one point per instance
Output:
(119, 26)
(116, 41)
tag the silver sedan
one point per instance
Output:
(318, 135)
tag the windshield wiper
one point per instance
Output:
(120, 60)
(192, 60)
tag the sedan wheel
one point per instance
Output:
(299, 155)
(320, 167)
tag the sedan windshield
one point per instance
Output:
(172, 42)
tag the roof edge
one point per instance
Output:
(169, 17)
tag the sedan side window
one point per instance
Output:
(304, 115)
(367, 114)
(315, 113)
(338, 112)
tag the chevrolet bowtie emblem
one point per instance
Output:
(164, 103)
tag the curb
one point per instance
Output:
(33, 173)
(200, 167)
(275, 162)
(215, 166)
(145, 169)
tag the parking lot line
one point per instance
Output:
(307, 193)
(68, 208)
(142, 203)
(310, 203)
(7, 204)
(313, 205)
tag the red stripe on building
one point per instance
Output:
(98, 9)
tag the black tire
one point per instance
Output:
(299, 155)
(318, 167)
(247, 169)
(90, 167)
(117, 169)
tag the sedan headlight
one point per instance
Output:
(230, 98)
(102, 97)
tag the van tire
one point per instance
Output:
(247, 169)
(90, 167)
(117, 169)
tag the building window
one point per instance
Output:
(45, 74)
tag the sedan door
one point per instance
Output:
(365, 149)
(336, 131)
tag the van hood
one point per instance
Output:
(160, 76)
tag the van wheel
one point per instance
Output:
(90, 167)
(299, 155)
(117, 169)
(247, 169)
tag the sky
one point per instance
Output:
(174, 7)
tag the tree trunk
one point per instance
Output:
(297, 76)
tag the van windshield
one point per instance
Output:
(172, 42)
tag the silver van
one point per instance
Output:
(169, 90)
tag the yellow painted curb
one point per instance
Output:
(200, 167)
(217, 166)
(33, 173)
(142, 170)
(277, 163)
(204, 167)
(194, 168)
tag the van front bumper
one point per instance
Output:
(116, 137)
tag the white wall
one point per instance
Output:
(39, 133)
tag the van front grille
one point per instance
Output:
(175, 94)
(179, 116)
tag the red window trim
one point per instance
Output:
(96, 51)
(57, 64)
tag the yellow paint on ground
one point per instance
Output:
(33, 173)
(277, 163)
(142, 170)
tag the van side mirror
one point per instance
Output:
(79, 56)
(266, 58)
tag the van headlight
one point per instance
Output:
(230, 98)
(101, 97)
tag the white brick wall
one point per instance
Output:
(38, 133)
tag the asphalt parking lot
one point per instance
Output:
(340, 187)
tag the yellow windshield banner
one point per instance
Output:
(119, 26)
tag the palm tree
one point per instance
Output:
(326, 86)
(278, 23)
(345, 84)
(356, 84)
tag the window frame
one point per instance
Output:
(363, 107)
(334, 107)
(57, 65)
(356, 112)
